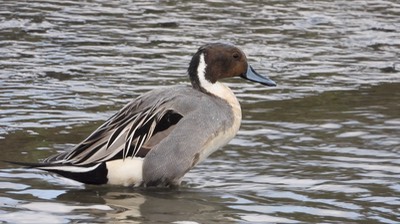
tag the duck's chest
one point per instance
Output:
(228, 129)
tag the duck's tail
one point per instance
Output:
(87, 174)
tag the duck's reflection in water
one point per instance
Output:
(155, 205)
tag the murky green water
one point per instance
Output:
(322, 147)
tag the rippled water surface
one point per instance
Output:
(322, 147)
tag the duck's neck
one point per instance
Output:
(205, 85)
(197, 73)
(200, 82)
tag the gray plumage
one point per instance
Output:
(169, 158)
(178, 153)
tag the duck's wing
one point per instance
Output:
(131, 132)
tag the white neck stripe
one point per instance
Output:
(201, 73)
(216, 88)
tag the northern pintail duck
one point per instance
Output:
(158, 137)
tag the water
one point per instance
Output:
(322, 147)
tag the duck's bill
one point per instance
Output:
(255, 77)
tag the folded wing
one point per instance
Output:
(131, 132)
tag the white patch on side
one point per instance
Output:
(220, 90)
(126, 172)
(71, 169)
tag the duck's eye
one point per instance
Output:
(236, 55)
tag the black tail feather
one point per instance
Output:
(84, 174)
